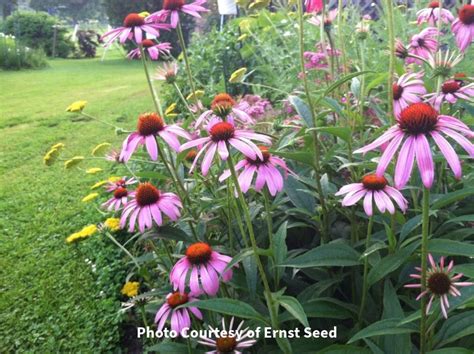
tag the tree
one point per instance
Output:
(74, 9)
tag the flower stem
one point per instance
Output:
(253, 242)
(391, 64)
(340, 34)
(156, 99)
(365, 285)
(268, 215)
(424, 256)
(122, 248)
(362, 79)
(186, 60)
(316, 147)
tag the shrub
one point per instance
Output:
(15, 57)
(87, 44)
(36, 30)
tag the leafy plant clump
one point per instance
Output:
(14, 56)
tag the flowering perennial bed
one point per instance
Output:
(322, 207)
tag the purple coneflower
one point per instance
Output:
(408, 89)
(120, 183)
(133, 27)
(147, 205)
(373, 188)
(451, 91)
(225, 107)
(432, 14)
(180, 318)
(439, 283)
(423, 44)
(417, 123)
(327, 20)
(167, 72)
(314, 5)
(204, 267)
(153, 49)
(236, 341)
(172, 8)
(265, 169)
(151, 125)
(463, 27)
(119, 198)
(223, 133)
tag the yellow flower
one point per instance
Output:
(112, 224)
(169, 112)
(93, 170)
(98, 184)
(245, 25)
(86, 232)
(53, 153)
(58, 146)
(90, 197)
(100, 149)
(114, 179)
(76, 160)
(144, 14)
(130, 288)
(199, 94)
(77, 106)
(238, 75)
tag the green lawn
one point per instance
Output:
(50, 299)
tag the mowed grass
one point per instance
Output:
(49, 298)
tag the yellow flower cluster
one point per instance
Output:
(100, 149)
(130, 288)
(90, 197)
(93, 170)
(77, 106)
(86, 232)
(113, 224)
(76, 160)
(53, 153)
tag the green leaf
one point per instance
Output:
(343, 349)
(341, 132)
(302, 109)
(466, 269)
(324, 308)
(244, 253)
(332, 254)
(299, 156)
(166, 232)
(454, 328)
(383, 328)
(295, 191)
(409, 226)
(390, 263)
(450, 248)
(226, 306)
(293, 306)
(152, 175)
(343, 80)
(453, 350)
(452, 197)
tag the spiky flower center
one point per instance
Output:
(150, 124)
(265, 154)
(147, 194)
(433, 4)
(418, 118)
(226, 344)
(222, 131)
(439, 283)
(397, 91)
(222, 105)
(147, 43)
(120, 192)
(199, 253)
(466, 14)
(133, 20)
(191, 155)
(176, 299)
(450, 86)
(173, 4)
(374, 182)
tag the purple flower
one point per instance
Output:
(433, 13)
(153, 49)
(112, 185)
(423, 44)
(440, 282)
(133, 27)
(151, 125)
(373, 188)
(147, 205)
(180, 318)
(463, 27)
(406, 90)
(204, 267)
(223, 133)
(254, 105)
(265, 169)
(451, 91)
(172, 8)
(417, 123)
(119, 198)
